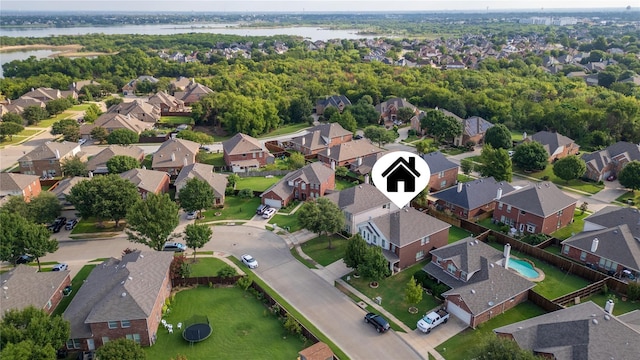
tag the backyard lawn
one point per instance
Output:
(286, 221)
(464, 178)
(342, 184)
(205, 266)
(620, 307)
(176, 120)
(581, 185)
(76, 283)
(257, 183)
(234, 208)
(242, 328)
(215, 159)
(287, 129)
(573, 228)
(456, 233)
(463, 346)
(391, 290)
(318, 249)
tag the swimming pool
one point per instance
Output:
(523, 268)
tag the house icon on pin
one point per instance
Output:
(402, 171)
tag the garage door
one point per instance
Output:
(458, 312)
(273, 203)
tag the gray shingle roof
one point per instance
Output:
(408, 225)
(438, 162)
(241, 144)
(145, 179)
(335, 101)
(320, 136)
(47, 151)
(474, 193)
(99, 161)
(138, 275)
(218, 182)
(174, 153)
(16, 182)
(359, 198)
(551, 141)
(367, 163)
(611, 216)
(599, 159)
(614, 243)
(113, 121)
(394, 102)
(475, 125)
(314, 173)
(351, 150)
(580, 332)
(632, 318)
(26, 286)
(542, 199)
(64, 186)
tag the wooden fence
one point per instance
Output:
(205, 280)
(581, 293)
(263, 173)
(543, 302)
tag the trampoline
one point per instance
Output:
(197, 329)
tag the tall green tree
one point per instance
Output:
(71, 133)
(10, 129)
(346, 120)
(58, 126)
(152, 221)
(531, 156)
(15, 204)
(375, 267)
(99, 134)
(37, 241)
(379, 135)
(196, 195)
(121, 349)
(300, 109)
(296, 160)
(569, 168)
(321, 216)
(196, 236)
(413, 292)
(44, 208)
(121, 163)
(499, 137)
(13, 117)
(32, 330)
(123, 137)
(405, 114)
(20, 236)
(92, 113)
(195, 136)
(495, 163)
(467, 166)
(364, 113)
(73, 166)
(355, 252)
(56, 106)
(426, 146)
(629, 176)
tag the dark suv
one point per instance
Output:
(57, 224)
(377, 321)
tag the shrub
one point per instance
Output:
(505, 229)
(420, 276)
(227, 271)
(491, 238)
(534, 239)
(545, 178)
(412, 132)
(229, 190)
(244, 283)
(292, 325)
(245, 193)
(633, 291)
(605, 289)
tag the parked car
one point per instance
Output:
(82, 141)
(24, 259)
(71, 224)
(611, 178)
(261, 209)
(249, 261)
(192, 215)
(357, 137)
(174, 246)
(433, 319)
(60, 267)
(378, 322)
(57, 224)
(269, 213)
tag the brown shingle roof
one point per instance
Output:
(351, 150)
(314, 173)
(408, 225)
(16, 182)
(47, 151)
(320, 136)
(218, 182)
(241, 144)
(98, 163)
(147, 180)
(113, 121)
(175, 153)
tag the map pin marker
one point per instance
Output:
(400, 176)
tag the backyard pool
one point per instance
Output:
(523, 268)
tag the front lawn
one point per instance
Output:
(289, 222)
(177, 120)
(215, 159)
(91, 225)
(391, 290)
(205, 266)
(76, 283)
(257, 183)
(454, 151)
(287, 129)
(464, 345)
(342, 184)
(242, 328)
(573, 228)
(577, 184)
(456, 233)
(318, 249)
(629, 198)
(235, 208)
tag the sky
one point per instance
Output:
(258, 6)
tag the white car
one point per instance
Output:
(267, 214)
(249, 261)
(191, 215)
(60, 267)
(82, 141)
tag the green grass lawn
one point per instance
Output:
(242, 328)
(412, 138)
(554, 249)
(620, 307)
(342, 184)
(302, 260)
(257, 183)
(287, 129)
(287, 221)
(90, 225)
(464, 178)
(205, 266)
(176, 120)
(215, 159)
(463, 346)
(289, 208)
(581, 185)
(516, 136)
(489, 224)
(633, 196)
(392, 289)
(573, 228)
(456, 233)
(28, 132)
(454, 151)
(76, 283)
(318, 249)
(234, 208)
(80, 107)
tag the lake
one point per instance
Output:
(22, 55)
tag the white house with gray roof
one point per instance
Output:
(361, 203)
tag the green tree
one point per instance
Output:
(375, 267)
(121, 163)
(321, 216)
(499, 137)
(44, 208)
(379, 135)
(121, 349)
(71, 133)
(495, 163)
(342, 171)
(73, 166)
(300, 109)
(426, 146)
(346, 120)
(364, 113)
(10, 129)
(196, 236)
(493, 347)
(56, 106)
(122, 137)
(13, 118)
(195, 136)
(629, 176)
(446, 128)
(405, 114)
(467, 166)
(232, 180)
(33, 330)
(196, 195)
(151, 221)
(37, 241)
(413, 292)
(296, 160)
(329, 112)
(15, 204)
(92, 113)
(355, 252)
(58, 126)
(33, 114)
(20, 236)
(531, 156)
(569, 168)
(99, 134)
(104, 197)
(113, 101)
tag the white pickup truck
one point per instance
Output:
(433, 319)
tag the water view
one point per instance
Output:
(22, 55)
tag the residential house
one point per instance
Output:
(337, 101)
(309, 182)
(218, 182)
(539, 208)
(473, 129)
(583, 331)
(166, 103)
(174, 154)
(444, 172)
(23, 185)
(348, 153)
(321, 137)
(25, 286)
(137, 109)
(121, 298)
(361, 203)
(78, 85)
(608, 242)
(472, 199)
(45, 159)
(389, 109)
(114, 121)
(17, 106)
(481, 286)
(47, 94)
(609, 161)
(62, 188)
(406, 236)
(317, 351)
(557, 146)
(192, 93)
(364, 167)
(245, 153)
(98, 163)
(130, 87)
(179, 84)
(148, 181)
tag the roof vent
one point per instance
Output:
(490, 303)
(122, 282)
(607, 317)
(491, 265)
(595, 321)
(124, 294)
(130, 278)
(473, 291)
(475, 241)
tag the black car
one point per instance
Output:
(357, 137)
(377, 321)
(261, 209)
(57, 224)
(71, 224)
(24, 259)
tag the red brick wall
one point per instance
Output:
(57, 296)
(451, 176)
(497, 310)
(228, 159)
(570, 149)
(41, 165)
(547, 225)
(407, 253)
(272, 195)
(574, 253)
(32, 190)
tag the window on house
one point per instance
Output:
(440, 174)
(125, 323)
(451, 268)
(113, 324)
(500, 205)
(134, 337)
(508, 208)
(303, 186)
(420, 255)
(565, 249)
(531, 228)
(424, 240)
(583, 256)
(74, 344)
(443, 183)
(602, 262)
(105, 339)
(383, 243)
(385, 206)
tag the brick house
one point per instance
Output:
(245, 153)
(114, 121)
(121, 298)
(45, 159)
(557, 146)
(406, 236)
(337, 101)
(444, 172)
(539, 208)
(321, 137)
(166, 103)
(130, 87)
(346, 154)
(218, 182)
(609, 161)
(25, 286)
(608, 242)
(481, 287)
(192, 93)
(174, 154)
(25, 186)
(62, 188)
(309, 182)
(473, 198)
(138, 109)
(473, 129)
(98, 163)
(47, 94)
(364, 167)
(388, 110)
(148, 181)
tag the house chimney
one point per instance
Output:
(507, 253)
(328, 151)
(366, 178)
(57, 154)
(608, 307)
(173, 156)
(303, 140)
(333, 165)
(186, 161)
(594, 245)
(524, 135)
(499, 194)
(459, 187)
(359, 161)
